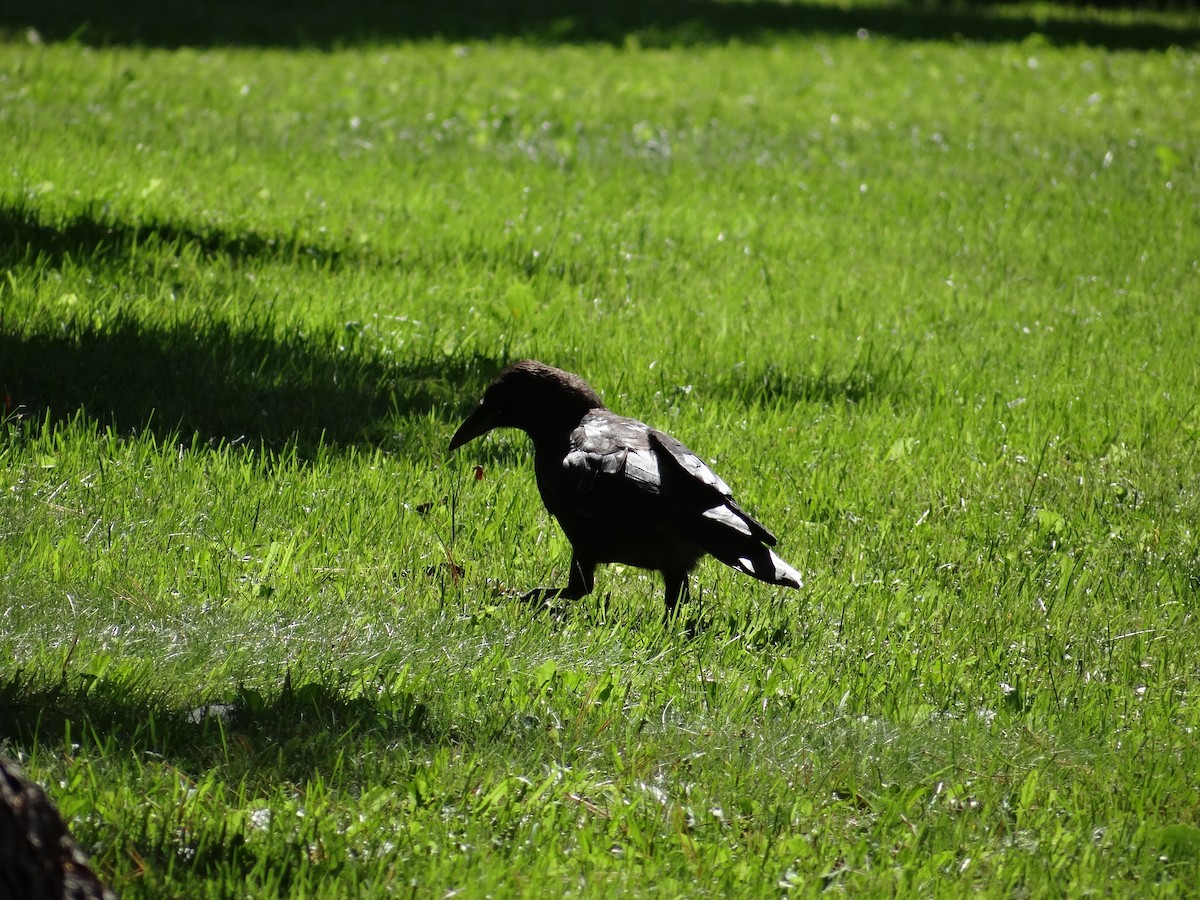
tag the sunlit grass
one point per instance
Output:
(928, 306)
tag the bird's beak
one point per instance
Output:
(480, 422)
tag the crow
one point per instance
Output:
(622, 491)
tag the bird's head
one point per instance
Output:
(538, 399)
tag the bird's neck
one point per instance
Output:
(551, 424)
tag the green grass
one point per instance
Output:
(928, 303)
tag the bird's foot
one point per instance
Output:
(554, 600)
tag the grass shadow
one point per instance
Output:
(94, 240)
(207, 380)
(90, 238)
(316, 23)
(213, 382)
(316, 731)
(290, 733)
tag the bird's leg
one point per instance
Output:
(688, 623)
(580, 584)
(676, 590)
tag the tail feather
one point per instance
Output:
(733, 517)
(740, 542)
(761, 562)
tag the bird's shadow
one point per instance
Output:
(701, 615)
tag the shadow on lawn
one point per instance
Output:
(209, 380)
(89, 238)
(319, 23)
(289, 735)
(212, 382)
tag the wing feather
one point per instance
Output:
(621, 466)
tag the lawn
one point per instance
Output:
(920, 283)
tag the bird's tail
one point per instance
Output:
(761, 562)
(736, 539)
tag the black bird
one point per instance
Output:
(622, 491)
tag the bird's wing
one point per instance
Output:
(606, 450)
(615, 463)
(707, 489)
(693, 466)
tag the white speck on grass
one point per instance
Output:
(656, 792)
(260, 819)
